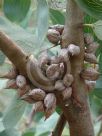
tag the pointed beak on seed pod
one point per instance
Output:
(90, 74)
(23, 91)
(53, 36)
(10, 75)
(90, 57)
(37, 94)
(27, 98)
(39, 106)
(73, 49)
(11, 84)
(50, 104)
(21, 81)
(88, 38)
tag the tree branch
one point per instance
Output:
(59, 126)
(77, 113)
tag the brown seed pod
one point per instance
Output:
(90, 57)
(43, 60)
(50, 111)
(11, 74)
(88, 38)
(50, 100)
(21, 81)
(67, 80)
(53, 36)
(23, 91)
(39, 106)
(58, 28)
(63, 54)
(66, 94)
(91, 48)
(37, 94)
(11, 84)
(73, 49)
(90, 85)
(90, 74)
(59, 85)
(27, 98)
(53, 71)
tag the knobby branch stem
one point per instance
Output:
(78, 112)
(59, 126)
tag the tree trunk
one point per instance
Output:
(78, 112)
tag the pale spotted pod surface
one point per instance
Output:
(58, 28)
(11, 84)
(90, 57)
(37, 94)
(66, 94)
(21, 81)
(63, 54)
(91, 48)
(90, 74)
(67, 80)
(59, 85)
(88, 38)
(73, 49)
(90, 85)
(49, 100)
(53, 71)
(53, 36)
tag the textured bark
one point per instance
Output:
(77, 113)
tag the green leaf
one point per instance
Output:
(91, 7)
(10, 132)
(16, 10)
(97, 27)
(42, 21)
(57, 17)
(14, 113)
(28, 134)
(24, 39)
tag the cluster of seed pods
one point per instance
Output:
(56, 69)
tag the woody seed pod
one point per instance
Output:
(58, 28)
(59, 85)
(90, 84)
(39, 106)
(50, 111)
(56, 60)
(53, 71)
(21, 81)
(10, 75)
(90, 74)
(91, 48)
(67, 80)
(73, 49)
(27, 98)
(66, 94)
(37, 94)
(50, 100)
(23, 91)
(11, 84)
(63, 54)
(90, 57)
(88, 38)
(53, 36)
